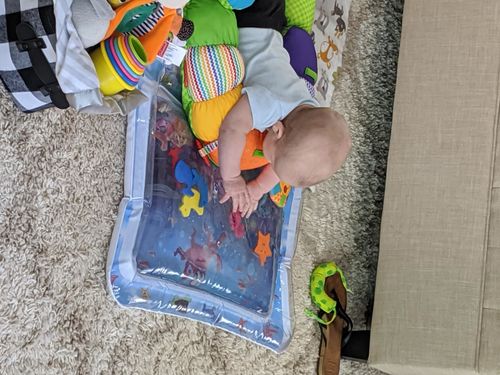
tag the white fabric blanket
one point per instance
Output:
(75, 70)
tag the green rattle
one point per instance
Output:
(318, 294)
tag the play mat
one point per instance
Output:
(211, 266)
(175, 249)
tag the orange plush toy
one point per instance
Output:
(150, 22)
(251, 158)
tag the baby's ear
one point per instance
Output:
(278, 129)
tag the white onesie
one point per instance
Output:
(272, 86)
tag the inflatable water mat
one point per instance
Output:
(177, 250)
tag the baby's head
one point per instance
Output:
(308, 146)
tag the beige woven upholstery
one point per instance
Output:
(437, 302)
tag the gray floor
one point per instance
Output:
(61, 178)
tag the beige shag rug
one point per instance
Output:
(61, 177)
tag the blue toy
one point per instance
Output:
(240, 4)
(190, 177)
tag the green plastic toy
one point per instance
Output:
(135, 17)
(318, 294)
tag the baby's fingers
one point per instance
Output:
(255, 206)
(245, 212)
(225, 198)
(252, 208)
(245, 206)
(248, 211)
(237, 203)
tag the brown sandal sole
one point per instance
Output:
(330, 346)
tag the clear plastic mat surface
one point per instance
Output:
(177, 250)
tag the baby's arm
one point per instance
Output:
(232, 140)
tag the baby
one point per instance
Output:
(305, 144)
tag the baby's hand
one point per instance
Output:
(236, 189)
(255, 192)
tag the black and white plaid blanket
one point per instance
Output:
(16, 71)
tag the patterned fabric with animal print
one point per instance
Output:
(329, 35)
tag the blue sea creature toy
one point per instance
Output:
(190, 177)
